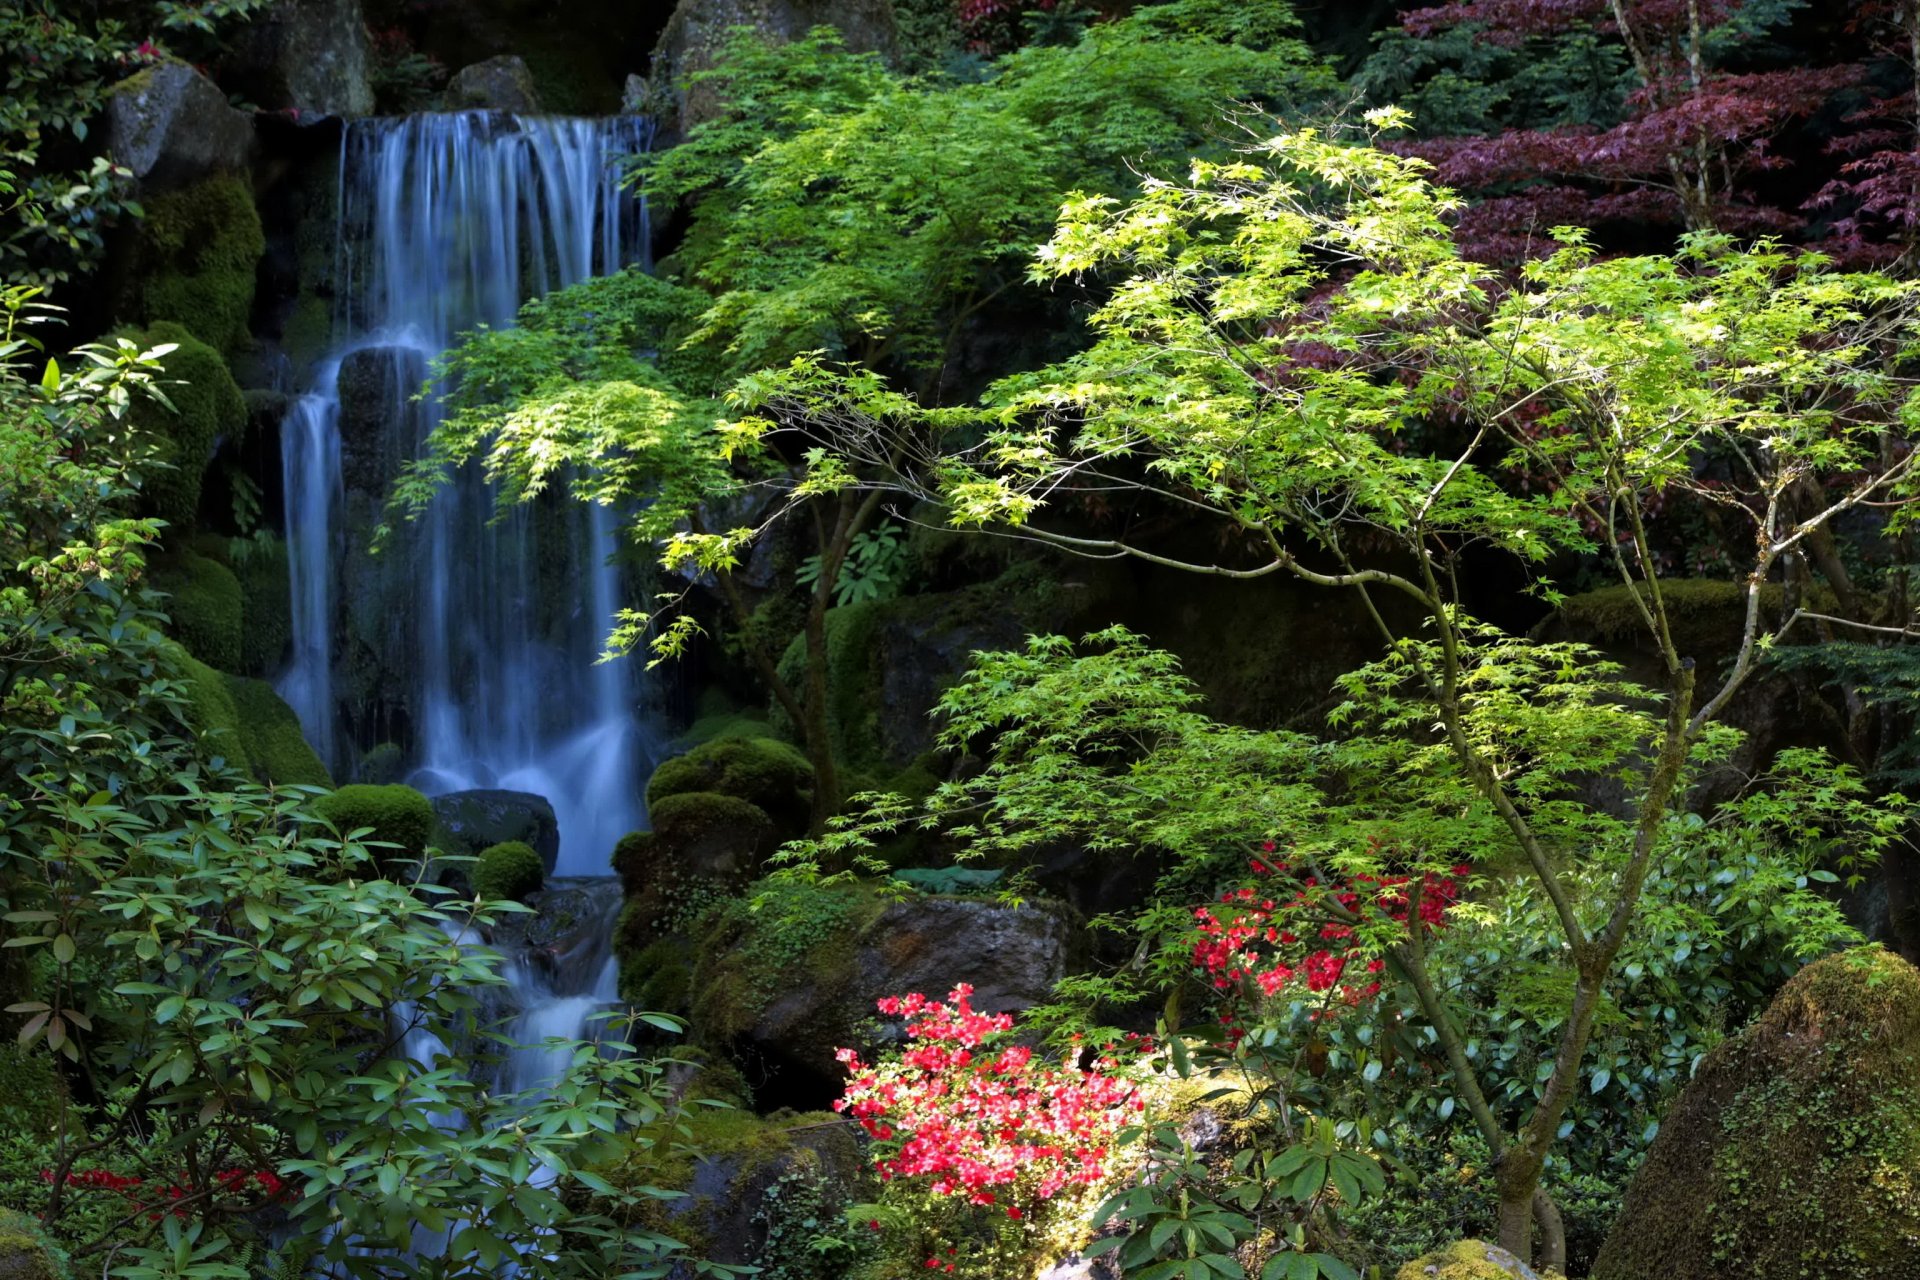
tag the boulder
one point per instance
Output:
(1467, 1260)
(1793, 1150)
(26, 1253)
(698, 30)
(375, 390)
(471, 821)
(789, 981)
(311, 58)
(172, 126)
(498, 84)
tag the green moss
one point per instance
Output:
(1463, 1260)
(659, 977)
(266, 607)
(732, 723)
(1706, 615)
(397, 814)
(197, 256)
(25, 1251)
(206, 610)
(381, 764)
(277, 749)
(308, 333)
(754, 947)
(510, 871)
(31, 1089)
(207, 405)
(762, 771)
(1795, 1150)
(211, 711)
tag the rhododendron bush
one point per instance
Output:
(972, 1117)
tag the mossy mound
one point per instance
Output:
(760, 770)
(397, 814)
(695, 833)
(509, 871)
(197, 256)
(211, 712)
(659, 977)
(383, 763)
(206, 610)
(1795, 1150)
(1467, 1260)
(25, 1251)
(207, 405)
(277, 748)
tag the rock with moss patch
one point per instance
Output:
(382, 763)
(471, 821)
(311, 58)
(509, 871)
(277, 749)
(26, 1252)
(502, 83)
(1795, 1149)
(376, 386)
(206, 406)
(1467, 1260)
(698, 834)
(171, 125)
(196, 256)
(397, 815)
(763, 771)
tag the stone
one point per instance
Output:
(474, 820)
(1792, 1150)
(698, 30)
(309, 58)
(376, 385)
(498, 84)
(1468, 1260)
(172, 126)
(25, 1251)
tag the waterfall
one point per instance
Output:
(448, 222)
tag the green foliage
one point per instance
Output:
(202, 405)
(393, 814)
(875, 566)
(205, 608)
(891, 229)
(197, 253)
(509, 872)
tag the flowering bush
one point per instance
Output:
(980, 1120)
(1323, 936)
(234, 1183)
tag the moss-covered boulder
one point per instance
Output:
(1467, 1260)
(205, 607)
(763, 771)
(509, 871)
(196, 258)
(31, 1090)
(398, 815)
(26, 1253)
(501, 83)
(473, 821)
(698, 834)
(277, 748)
(1795, 1150)
(207, 405)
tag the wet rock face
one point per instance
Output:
(498, 84)
(698, 30)
(376, 386)
(475, 820)
(172, 126)
(310, 58)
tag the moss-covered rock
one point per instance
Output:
(381, 763)
(169, 125)
(1795, 1150)
(197, 254)
(701, 834)
(1707, 614)
(509, 871)
(25, 1251)
(473, 821)
(31, 1090)
(207, 405)
(1467, 1260)
(399, 815)
(266, 606)
(206, 609)
(277, 749)
(211, 712)
(659, 977)
(763, 771)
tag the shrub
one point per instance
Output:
(509, 871)
(397, 814)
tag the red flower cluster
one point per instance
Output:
(979, 1119)
(232, 1182)
(1267, 945)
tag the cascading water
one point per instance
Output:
(448, 222)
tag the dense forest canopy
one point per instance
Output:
(1206, 638)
